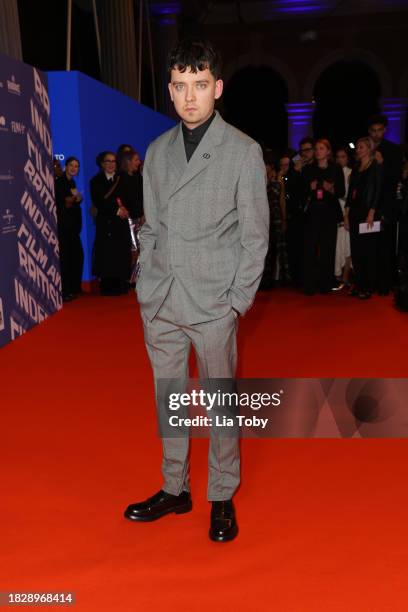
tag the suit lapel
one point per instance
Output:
(177, 155)
(204, 155)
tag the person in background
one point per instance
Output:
(292, 186)
(69, 216)
(58, 171)
(389, 156)
(276, 270)
(401, 292)
(122, 150)
(306, 152)
(403, 211)
(112, 249)
(343, 251)
(131, 184)
(362, 208)
(131, 194)
(323, 185)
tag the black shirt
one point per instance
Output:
(192, 138)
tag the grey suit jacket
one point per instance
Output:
(207, 223)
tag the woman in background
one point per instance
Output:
(131, 194)
(343, 252)
(361, 210)
(324, 185)
(69, 216)
(292, 185)
(276, 269)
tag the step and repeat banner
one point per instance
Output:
(30, 281)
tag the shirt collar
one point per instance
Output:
(194, 136)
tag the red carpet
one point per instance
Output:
(323, 523)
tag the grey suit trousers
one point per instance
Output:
(168, 340)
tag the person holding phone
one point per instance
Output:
(361, 207)
(68, 200)
(323, 182)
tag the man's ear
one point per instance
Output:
(219, 86)
(170, 91)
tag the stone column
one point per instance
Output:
(395, 109)
(300, 122)
(118, 42)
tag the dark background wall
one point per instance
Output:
(346, 65)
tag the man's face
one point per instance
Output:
(194, 95)
(377, 131)
(306, 152)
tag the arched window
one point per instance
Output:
(345, 95)
(254, 101)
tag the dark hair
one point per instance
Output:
(71, 159)
(286, 153)
(126, 157)
(307, 140)
(381, 119)
(291, 167)
(105, 153)
(347, 151)
(101, 156)
(196, 55)
(122, 150)
(269, 156)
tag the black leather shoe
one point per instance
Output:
(223, 522)
(158, 505)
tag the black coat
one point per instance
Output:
(130, 191)
(391, 175)
(112, 250)
(365, 190)
(328, 206)
(69, 219)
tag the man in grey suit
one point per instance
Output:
(203, 247)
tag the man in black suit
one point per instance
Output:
(112, 250)
(389, 155)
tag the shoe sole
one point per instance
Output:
(149, 519)
(232, 536)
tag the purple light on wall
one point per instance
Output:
(298, 6)
(395, 110)
(168, 20)
(300, 117)
(306, 9)
(170, 8)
